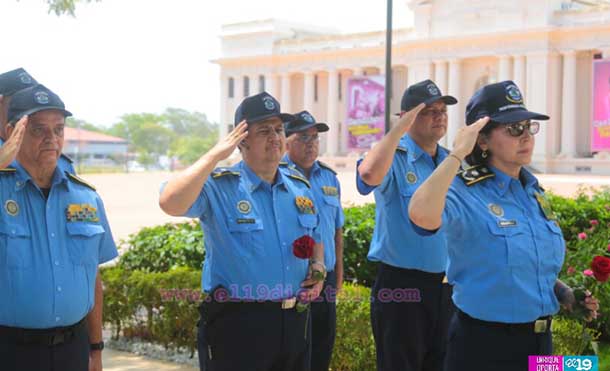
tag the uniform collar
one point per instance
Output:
(314, 168)
(414, 151)
(23, 176)
(253, 181)
(502, 181)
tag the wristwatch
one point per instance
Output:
(97, 346)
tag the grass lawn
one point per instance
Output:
(604, 357)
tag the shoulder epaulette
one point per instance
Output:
(67, 158)
(222, 171)
(80, 181)
(401, 149)
(283, 163)
(295, 174)
(8, 170)
(327, 167)
(475, 174)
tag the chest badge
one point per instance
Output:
(244, 206)
(305, 205)
(411, 177)
(11, 207)
(496, 209)
(82, 213)
(330, 191)
(545, 205)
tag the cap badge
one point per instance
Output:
(513, 94)
(41, 97)
(244, 206)
(496, 210)
(411, 177)
(25, 78)
(307, 117)
(432, 89)
(269, 103)
(11, 207)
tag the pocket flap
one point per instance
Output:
(554, 227)
(332, 200)
(84, 229)
(308, 220)
(14, 230)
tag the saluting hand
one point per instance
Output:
(8, 152)
(406, 119)
(227, 145)
(467, 136)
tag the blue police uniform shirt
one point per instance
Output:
(63, 162)
(249, 226)
(49, 249)
(327, 192)
(504, 253)
(395, 241)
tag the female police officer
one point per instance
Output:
(505, 248)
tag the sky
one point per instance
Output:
(132, 56)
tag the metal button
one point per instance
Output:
(52, 234)
(57, 319)
(59, 288)
(56, 262)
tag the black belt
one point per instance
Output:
(45, 337)
(539, 326)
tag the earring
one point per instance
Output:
(484, 154)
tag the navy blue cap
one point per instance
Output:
(34, 99)
(303, 121)
(258, 108)
(15, 80)
(423, 92)
(502, 102)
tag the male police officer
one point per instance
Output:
(53, 235)
(252, 214)
(303, 145)
(410, 306)
(10, 83)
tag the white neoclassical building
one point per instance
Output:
(547, 47)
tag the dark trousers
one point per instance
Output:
(324, 324)
(410, 313)
(18, 353)
(474, 345)
(253, 336)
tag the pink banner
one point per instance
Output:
(600, 129)
(365, 111)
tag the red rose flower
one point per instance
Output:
(302, 247)
(601, 268)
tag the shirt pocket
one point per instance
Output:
(512, 244)
(84, 242)
(553, 249)
(247, 232)
(405, 197)
(17, 242)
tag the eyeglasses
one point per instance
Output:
(43, 132)
(434, 112)
(306, 139)
(516, 129)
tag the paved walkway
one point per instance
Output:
(121, 361)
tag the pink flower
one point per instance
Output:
(582, 236)
(594, 222)
(609, 247)
(588, 272)
(571, 270)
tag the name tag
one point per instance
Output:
(507, 223)
(246, 221)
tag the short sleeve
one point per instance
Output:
(340, 218)
(201, 207)
(107, 248)
(453, 215)
(364, 189)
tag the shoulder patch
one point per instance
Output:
(401, 149)
(223, 171)
(8, 170)
(475, 174)
(80, 181)
(327, 167)
(67, 158)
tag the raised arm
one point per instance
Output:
(427, 204)
(182, 190)
(378, 160)
(8, 152)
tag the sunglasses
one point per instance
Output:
(516, 129)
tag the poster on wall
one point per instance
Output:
(365, 111)
(600, 128)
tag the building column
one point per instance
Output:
(568, 105)
(440, 78)
(332, 115)
(286, 93)
(456, 116)
(308, 87)
(504, 68)
(271, 84)
(255, 86)
(224, 97)
(357, 71)
(519, 72)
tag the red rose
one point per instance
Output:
(601, 268)
(302, 247)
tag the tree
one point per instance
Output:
(72, 122)
(60, 7)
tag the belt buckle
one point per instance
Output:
(289, 303)
(58, 338)
(540, 326)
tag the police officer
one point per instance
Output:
(53, 235)
(10, 83)
(303, 147)
(505, 246)
(410, 306)
(253, 217)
